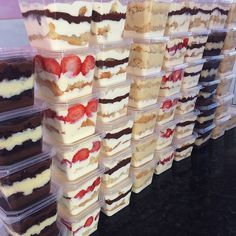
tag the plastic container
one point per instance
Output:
(231, 19)
(225, 85)
(16, 78)
(65, 75)
(165, 158)
(116, 198)
(142, 176)
(144, 90)
(144, 121)
(227, 64)
(78, 194)
(78, 159)
(204, 136)
(220, 128)
(111, 63)
(146, 56)
(57, 25)
(113, 101)
(20, 134)
(69, 122)
(143, 150)
(224, 103)
(230, 43)
(165, 134)
(231, 123)
(116, 167)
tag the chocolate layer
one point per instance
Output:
(209, 88)
(213, 64)
(195, 11)
(222, 11)
(194, 46)
(109, 202)
(192, 74)
(182, 11)
(118, 134)
(204, 124)
(184, 148)
(216, 37)
(187, 99)
(114, 16)
(207, 79)
(202, 136)
(201, 101)
(211, 52)
(189, 122)
(118, 166)
(111, 63)
(113, 100)
(209, 112)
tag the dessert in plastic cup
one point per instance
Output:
(144, 121)
(220, 128)
(69, 122)
(142, 176)
(65, 75)
(113, 101)
(111, 63)
(16, 79)
(224, 103)
(117, 197)
(20, 134)
(204, 136)
(165, 158)
(225, 84)
(146, 19)
(57, 25)
(78, 159)
(227, 65)
(78, 194)
(108, 20)
(165, 134)
(231, 123)
(143, 150)
(144, 90)
(230, 43)
(117, 135)
(167, 108)
(231, 19)
(116, 167)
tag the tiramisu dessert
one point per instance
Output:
(69, 122)
(224, 103)
(145, 19)
(143, 150)
(116, 167)
(231, 123)
(64, 76)
(230, 42)
(144, 90)
(204, 136)
(231, 19)
(116, 198)
(146, 56)
(224, 86)
(108, 20)
(144, 121)
(165, 134)
(111, 63)
(220, 128)
(164, 158)
(113, 101)
(57, 25)
(20, 134)
(76, 160)
(226, 67)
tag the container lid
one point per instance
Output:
(205, 130)
(200, 32)
(197, 62)
(179, 34)
(116, 44)
(209, 107)
(189, 116)
(9, 53)
(148, 165)
(205, 84)
(165, 150)
(212, 58)
(229, 54)
(165, 126)
(151, 40)
(228, 77)
(181, 141)
(105, 88)
(178, 67)
(152, 76)
(224, 99)
(222, 120)
(134, 111)
(190, 91)
(145, 139)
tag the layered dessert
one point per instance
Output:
(145, 19)
(227, 65)
(231, 123)
(223, 107)
(224, 86)
(116, 167)
(20, 135)
(69, 122)
(108, 20)
(142, 176)
(164, 159)
(57, 25)
(143, 150)
(144, 90)
(220, 128)
(116, 198)
(165, 134)
(204, 136)
(231, 19)
(230, 42)
(80, 158)
(113, 101)
(111, 63)
(146, 57)
(144, 121)
(65, 75)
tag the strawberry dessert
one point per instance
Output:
(63, 76)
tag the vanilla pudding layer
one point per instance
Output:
(163, 142)
(141, 182)
(200, 20)
(204, 119)
(169, 88)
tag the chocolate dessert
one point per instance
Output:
(209, 70)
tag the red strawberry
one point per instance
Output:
(91, 107)
(180, 46)
(185, 42)
(75, 113)
(71, 63)
(172, 50)
(67, 162)
(88, 64)
(168, 133)
(38, 64)
(91, 188)
(97, 182)
(177, 75)
(164, 79)
(81, 155)
(167, 104)
(96, 146)
(52, 66)
(80, 194)
(88, 222)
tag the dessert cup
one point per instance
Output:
(225, 84)
(231, 19)
(220, 127)
(204, 136)
(230, 42)
(226, 67)
(224, 103)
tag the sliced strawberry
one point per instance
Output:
(167, 104)
(91, 107)
(80, 194)
(185, 42)
(39, 64)
(67, 162)
(180, 46)
(75, 113)
(164, 79)
(172, 50)
(81, 155)
(168, 133)
(88, 64)
(97, 181)
(88, 222)
(91, 188)
(71, 63)
(177, 75)
(96, 146)
(52, 66)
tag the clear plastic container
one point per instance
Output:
(143, 150)
(231, 123)
(16, 78)
(231, 19)
(144, 90)
(20, 134)
(57, 24)
(144, 121)
(220, 128)
(224, 103)
(78, 194)
(142, 176)
(165, 158)
(116, 167)
(227, 64)
(69, 122)
(117, 135)
(165, 134)
(230, 42)
(78, 159)
(113, 101)
(65, 75)
(116, 198)
(111, 63)
(225, 85)
(204, 136)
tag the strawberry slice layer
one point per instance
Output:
(72, 64)
(75, 113)
(91, 107)
(88, 64)
(81, 155)
(88, 222)
(52, 66)
(96, 146)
